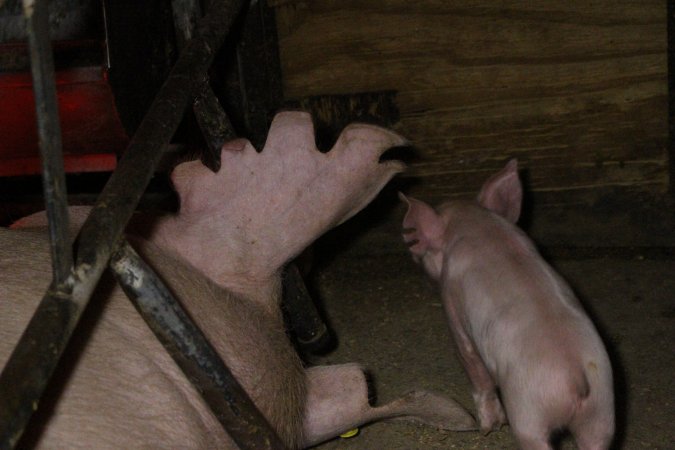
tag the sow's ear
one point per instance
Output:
(503, 193)
(422, 227)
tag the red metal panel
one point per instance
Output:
(92, 133)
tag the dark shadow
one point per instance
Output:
(528, 204)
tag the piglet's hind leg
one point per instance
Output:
(337, 401)
(491, 414)
(594, 432)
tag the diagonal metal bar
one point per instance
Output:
(214, 125)
(49, 134)
(310, 330)
(25, 376)
(192, 352)
(30, 366)
(186, 14)
(121, 194)
(211, 118)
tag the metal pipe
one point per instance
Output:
(24, 377)
(310, 331)
(125, 187)
(211, 118)
(30, 366)
(214, 125)
(21, 378)
(192, 352)
(49, 136)
(186, 13)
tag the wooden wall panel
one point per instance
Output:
(577, 90)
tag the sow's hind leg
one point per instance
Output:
(337, 401)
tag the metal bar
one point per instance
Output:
(23, 379)
(28, 369)
(186, 13)
(49, 134)
(122, 192)
(20, 378)
(214, 125)
(259, 70)
(309, 329)
(192, 352)
(211, 118)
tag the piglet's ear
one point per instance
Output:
(503, 193)
(422, 227)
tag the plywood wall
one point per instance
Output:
(575, 89)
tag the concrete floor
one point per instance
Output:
(387, 316)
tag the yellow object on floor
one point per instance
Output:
(350, 433)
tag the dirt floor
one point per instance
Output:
(388, 317)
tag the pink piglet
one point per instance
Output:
(532, 354)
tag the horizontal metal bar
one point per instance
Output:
(33, 361)
(49, 134)
(192, 352)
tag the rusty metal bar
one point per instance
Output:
(186, 13)
(310, 331)
(49, 135)
(211, 118)
(192, 352)
(30, 366)
(259, 70)
(121, 194)
(23, 377)
(214, 125)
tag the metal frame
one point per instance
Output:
(311, 333)
(192, 352)
(34, 359)
(49, 136)
(309, 329)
